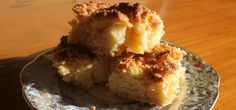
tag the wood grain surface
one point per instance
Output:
(205, 27)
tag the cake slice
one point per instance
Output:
(78, 66)
(151, 77)
(113, 29)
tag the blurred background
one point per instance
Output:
(205, 27)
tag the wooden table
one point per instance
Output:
(205, 27)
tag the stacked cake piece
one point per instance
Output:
(120, 45)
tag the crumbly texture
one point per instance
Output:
(78, 66)
(151, 77)
(120, 44)
(113, 29)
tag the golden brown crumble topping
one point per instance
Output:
(123, 11)
(68, 52)
(88, 8)
(161, 61)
